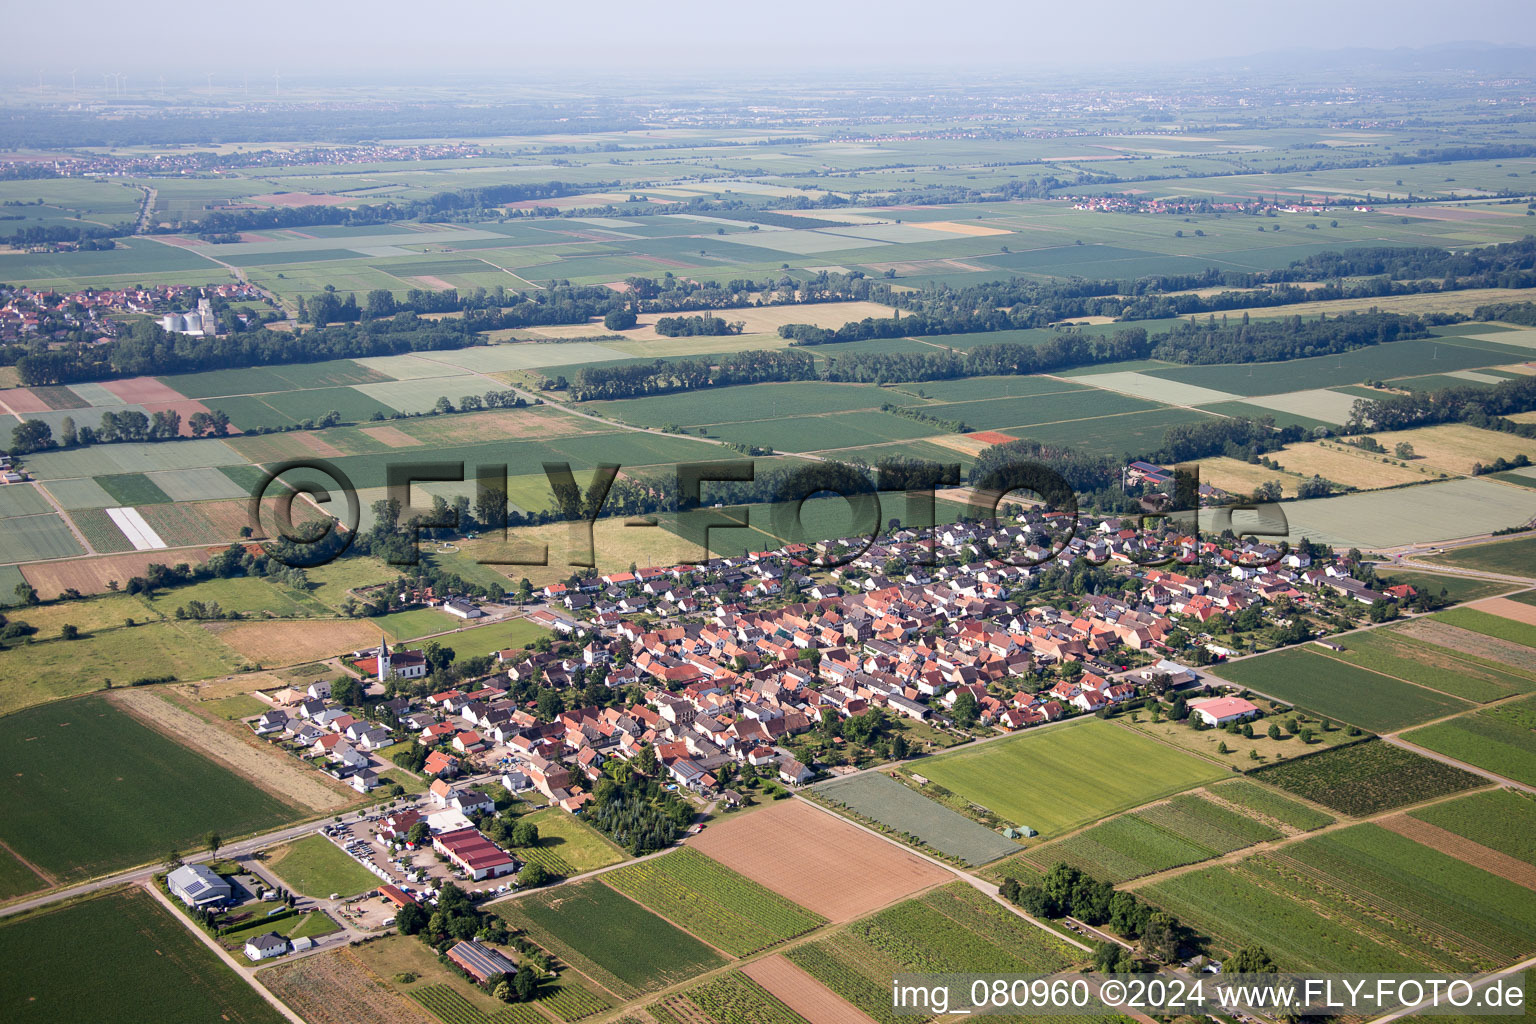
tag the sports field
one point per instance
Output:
(143, 793)
(317, 867)
(142, 957)
(1340, 689)
(1058, 778)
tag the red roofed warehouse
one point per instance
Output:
(475, 855)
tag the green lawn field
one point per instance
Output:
(317, 867)
(1060, 778)
(578, 845)
(141, 958)
(134, 793)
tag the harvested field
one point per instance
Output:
(1454, 447)
(1507, 609)
(1466, 641)
(289, 643)
(817, 859)
(392, 436)
(20, 400)
(337, 988)
(1344, 465)
(1239, 478)
(274, 772)
(143, 390)
(990, 437)
(91, 575)
(803, 993)
(1463, 849)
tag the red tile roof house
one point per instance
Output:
(1221, 710)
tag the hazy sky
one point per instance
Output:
(180, 39)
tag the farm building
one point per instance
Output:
(475, 855)
(197, 885)
(481, 962)
(265, 947)
(1221, 710)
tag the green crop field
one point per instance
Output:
(1516, 557)
(133, 489)
(880, 798)
(1272, 805)
(728, 999)
(730, 912)
(1368, 777)
(1184, 830)
(1500, 739)
(142, 957)
(609, 937)
(1082, 771)
(1437, 667)
(497, 636)
(28, 538)
(953, 929)
(39, 672)
(1337, 689)
(1490, 625)
(1388, 904)
(315, 866)
(1502, 820)
(142, 792)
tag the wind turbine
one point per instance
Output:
(72, 82)
(162, 87)
(210, 83)
(277, 83)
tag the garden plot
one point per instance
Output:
(1317, 404)
(1156, 389)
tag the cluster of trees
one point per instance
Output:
(637, 813)
(147, 350)
(1267, 341)
(1483, 406)
(456, 919)
(1067, 891)
(84, 236)
(664, 376)
(1238, 437)
(696, 326)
